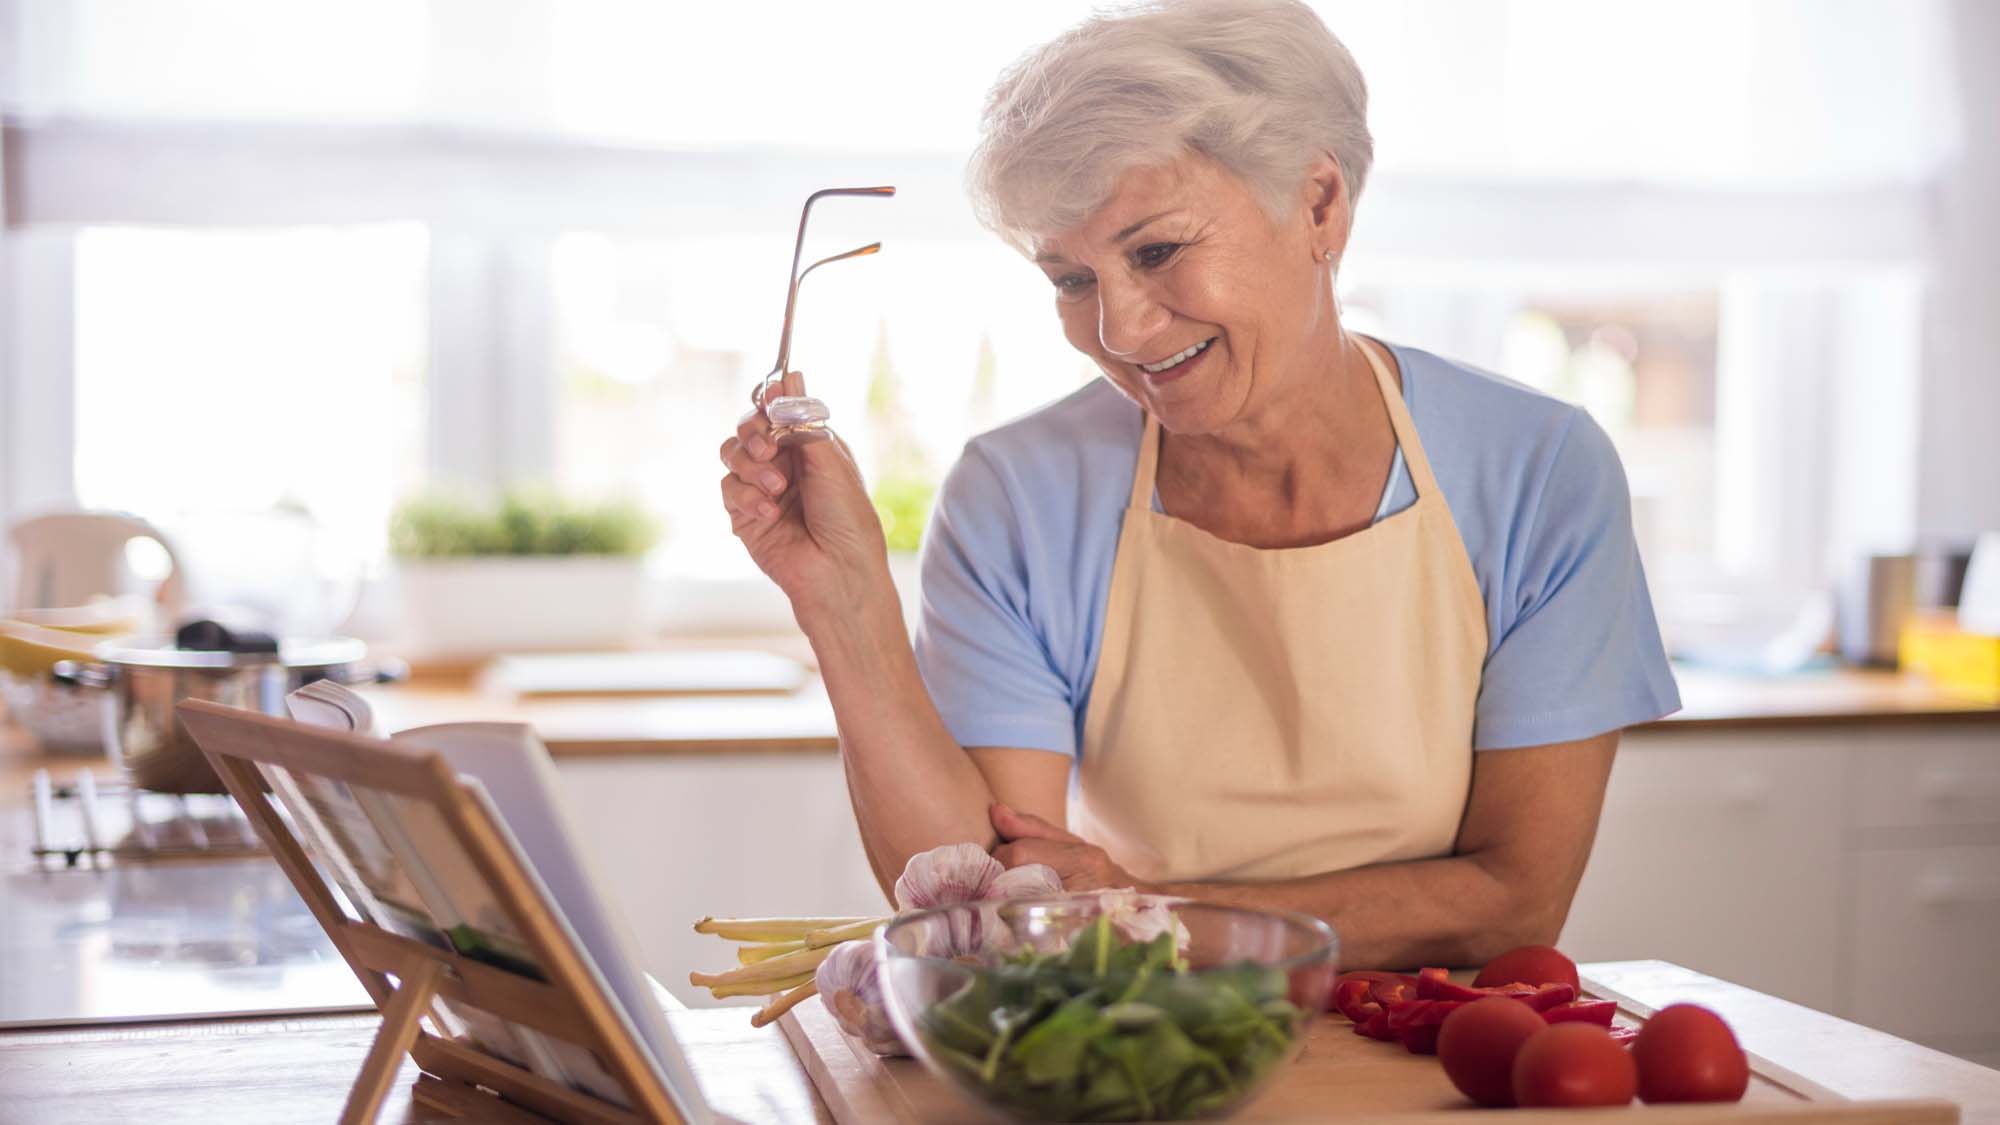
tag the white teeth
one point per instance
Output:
(1174, 360)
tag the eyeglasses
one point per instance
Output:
(803, 414)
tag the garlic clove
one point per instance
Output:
(1135, 921)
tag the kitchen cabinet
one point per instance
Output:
(1709, 849)
(1925, 926)
(730, 833)
(1854, 868)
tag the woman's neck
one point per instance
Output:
(1306, 466)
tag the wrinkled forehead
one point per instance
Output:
(1137, 195)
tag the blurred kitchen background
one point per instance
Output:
(322, 257)
(306, 287)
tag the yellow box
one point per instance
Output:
(1934, 645)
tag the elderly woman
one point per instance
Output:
(1273, 613)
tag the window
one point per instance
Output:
(1644, 367)
(252, 369)
(522, 250)
(1766, 419)
(916, 349)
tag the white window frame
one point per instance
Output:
(494, 203)
(37, 353)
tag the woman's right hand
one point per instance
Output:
(804, 514)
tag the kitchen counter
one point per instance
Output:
(134, 940)
(802, 721)
(139, 941)
(299, 1069)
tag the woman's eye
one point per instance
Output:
(1071, 283)
(1157, 253)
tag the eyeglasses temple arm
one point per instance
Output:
(798, 251)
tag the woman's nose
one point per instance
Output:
(1127, 318)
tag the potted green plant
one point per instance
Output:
(530, 571)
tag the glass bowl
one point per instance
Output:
(1112, 1006)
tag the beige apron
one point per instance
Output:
(1264, 714)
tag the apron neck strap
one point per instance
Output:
(1400, 421)
(1149, 463)
(1405, 428)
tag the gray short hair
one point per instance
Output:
(1260, 86)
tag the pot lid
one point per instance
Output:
(293, 652)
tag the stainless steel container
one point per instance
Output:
(1876, 596)
(143, 681)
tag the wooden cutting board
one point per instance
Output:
(1338, 1077)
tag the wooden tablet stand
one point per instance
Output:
(404, 975)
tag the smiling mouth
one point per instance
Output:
(1173, 361)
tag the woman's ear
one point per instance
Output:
(1329, 210)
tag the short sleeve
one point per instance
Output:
(981, 656)
(1581, 652)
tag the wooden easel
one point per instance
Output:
(404, 975)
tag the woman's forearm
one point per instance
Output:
(912, 785)
(1454, 911)
(1520, 854)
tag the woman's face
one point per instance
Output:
(1184, 257)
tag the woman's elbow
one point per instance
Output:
(1531, 912)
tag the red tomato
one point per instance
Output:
(1571, 1064)
(1687, 1054)
(1477, 1045)
(1530, 964)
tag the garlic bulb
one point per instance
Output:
(946, 876)
(851, 990)
(1030, 880)
(961, 873)
(955, 873)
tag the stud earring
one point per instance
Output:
(1327, 257)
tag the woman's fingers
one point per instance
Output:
(764, 474)
(790, 383)
(1014, 825)
(745, 502)
(754, 431)
(1020, 853)
(1081, 866)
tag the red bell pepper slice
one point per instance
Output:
(1408, 1013)
(1350, 998)
(1364, 987)
(1387, 992)
(1396, 1007)
(1375, 1027)
(1416, 1023)
(1598, 1012)
(1434, 984)
(1549, 996)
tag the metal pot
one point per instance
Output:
(143, 680)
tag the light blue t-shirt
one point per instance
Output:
(1017, 563)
